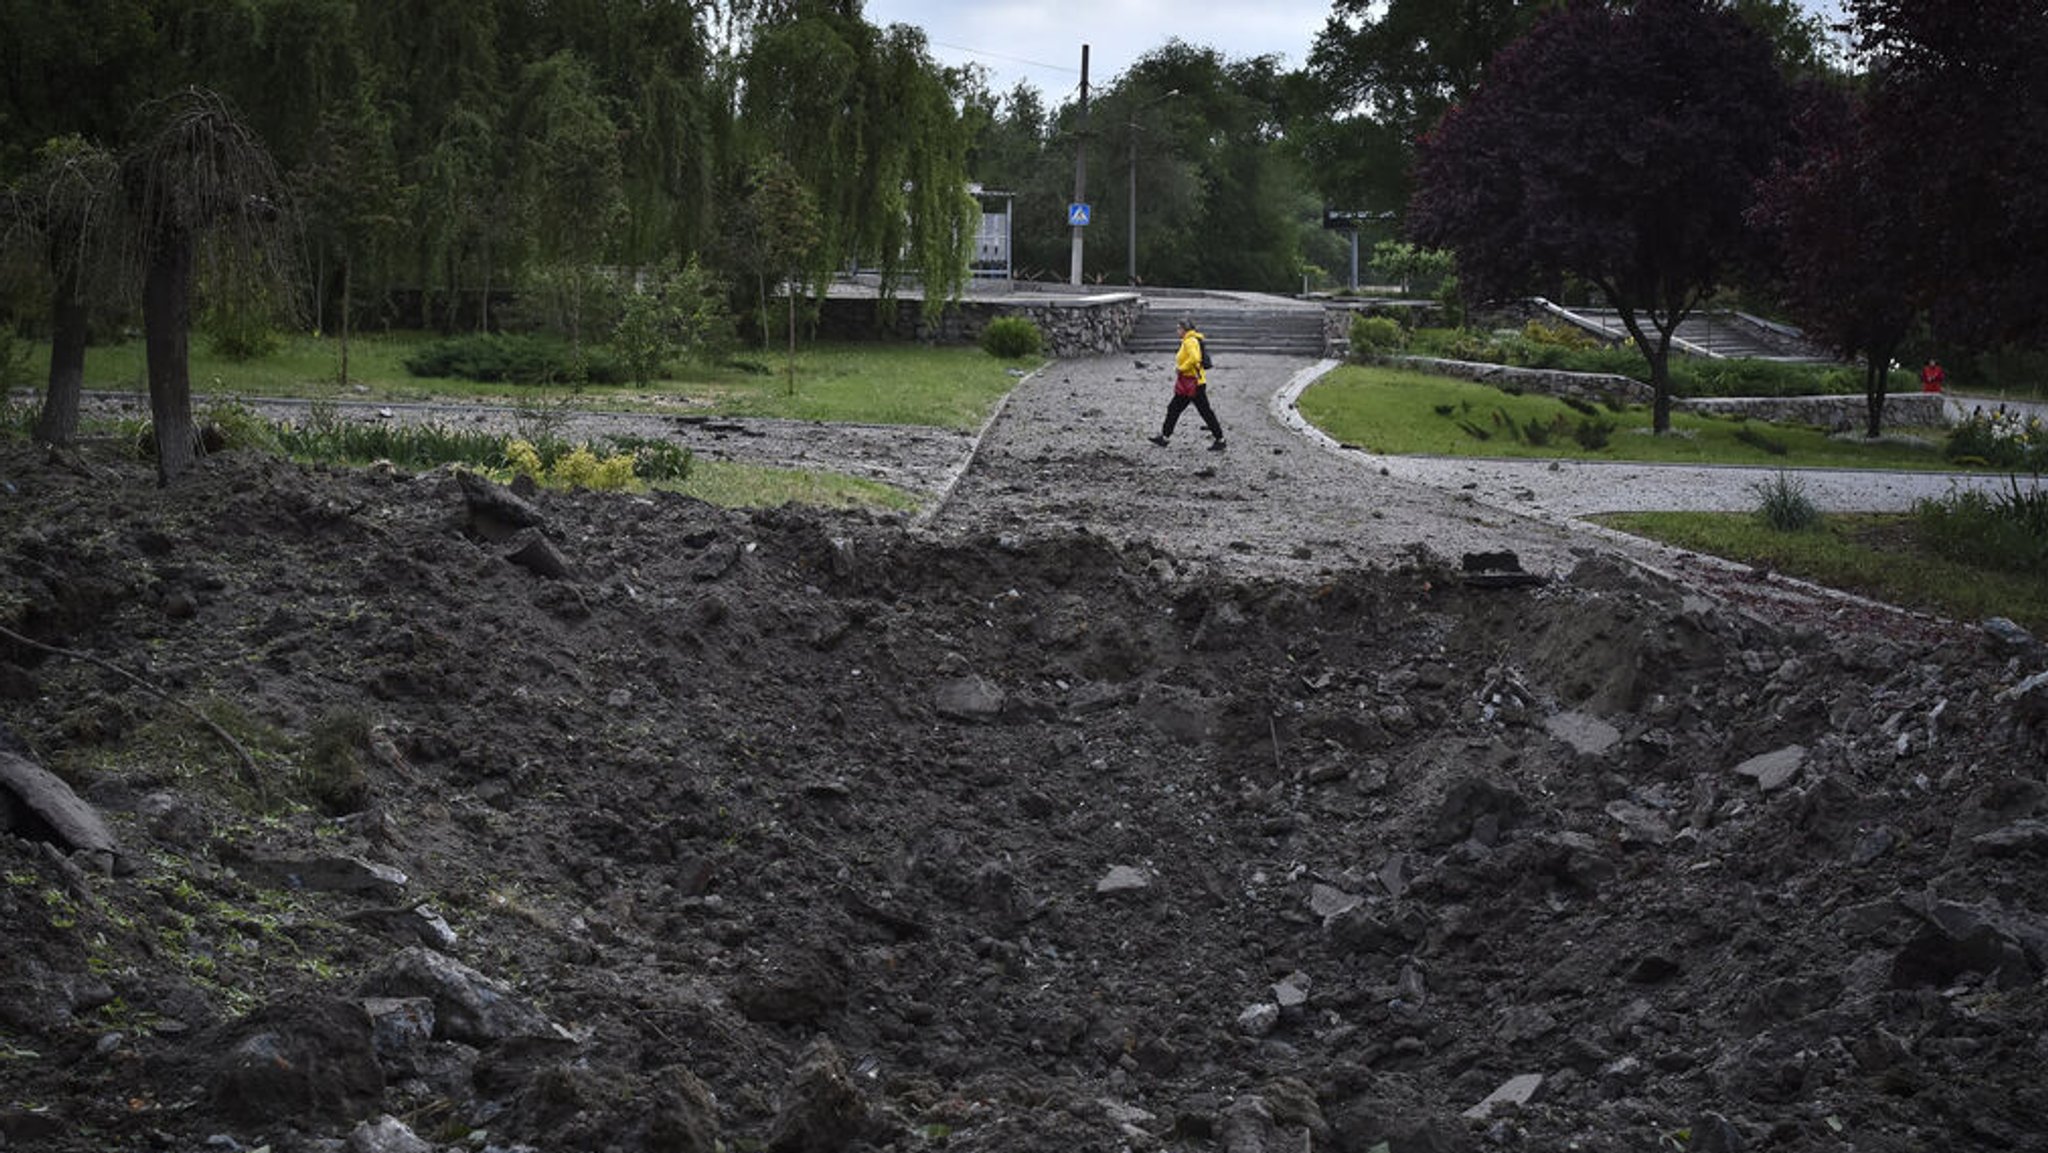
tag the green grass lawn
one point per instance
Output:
(1401, 411)
(1880, 556)
(1883, 557)
(948, 387)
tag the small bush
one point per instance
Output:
(1371, 336)
(1012, 338)
(1783, 504)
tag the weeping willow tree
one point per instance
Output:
(204, 197)
(56, 221)
(868, 122)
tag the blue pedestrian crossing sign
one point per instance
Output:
(1077, 215)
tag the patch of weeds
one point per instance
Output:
(229, 424)
(1783, 504)
(2001, 530)
(334, 773)
(1594, 433)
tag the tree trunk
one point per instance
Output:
(792, 338)
(1660, 384)
(1875, 376)
(68, 317)
(347, 267)
(167, 334)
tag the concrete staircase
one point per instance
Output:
(1715, 335)
(1230, 327)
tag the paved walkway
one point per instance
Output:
(1569, 489)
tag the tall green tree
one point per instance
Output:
(778, 232)
(443, 68)
(868, 123)
(1388, 70)
(351, 202)
(1217, 187)
(569, 182)
(1620, 147)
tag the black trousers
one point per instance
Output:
(1200, 400)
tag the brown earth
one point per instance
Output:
(1130, 799)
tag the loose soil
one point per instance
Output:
(1127, 798)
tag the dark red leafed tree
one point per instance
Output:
(1959, 106)
(1617, 147)
(1846, 239)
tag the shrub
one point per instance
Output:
(2001, 439)
(644, 339)
(581, 466)
(685, 315)
(508, 358)
(1783, 504)
(1012, 338)
(1450, 302)
(1560, 336)
(1370, 336)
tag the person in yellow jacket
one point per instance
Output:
(1190, 386)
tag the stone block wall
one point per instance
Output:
(1835, 412)
(1080, 326)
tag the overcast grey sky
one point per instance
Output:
(1039, 42)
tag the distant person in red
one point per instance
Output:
(1932, 378)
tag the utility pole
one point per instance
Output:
(1080, 170)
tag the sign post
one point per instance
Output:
(1080, 175)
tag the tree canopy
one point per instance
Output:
(1959, 111)
(1616, 147)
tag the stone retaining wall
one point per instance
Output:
(1591, 387)
(1081, 326)
(1834, 412)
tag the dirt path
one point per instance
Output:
(1070, 451)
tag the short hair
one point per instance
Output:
(1187, 323)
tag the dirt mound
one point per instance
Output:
(654, 826)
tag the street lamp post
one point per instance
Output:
(1131, 269)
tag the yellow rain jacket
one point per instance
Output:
(1188, 361)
